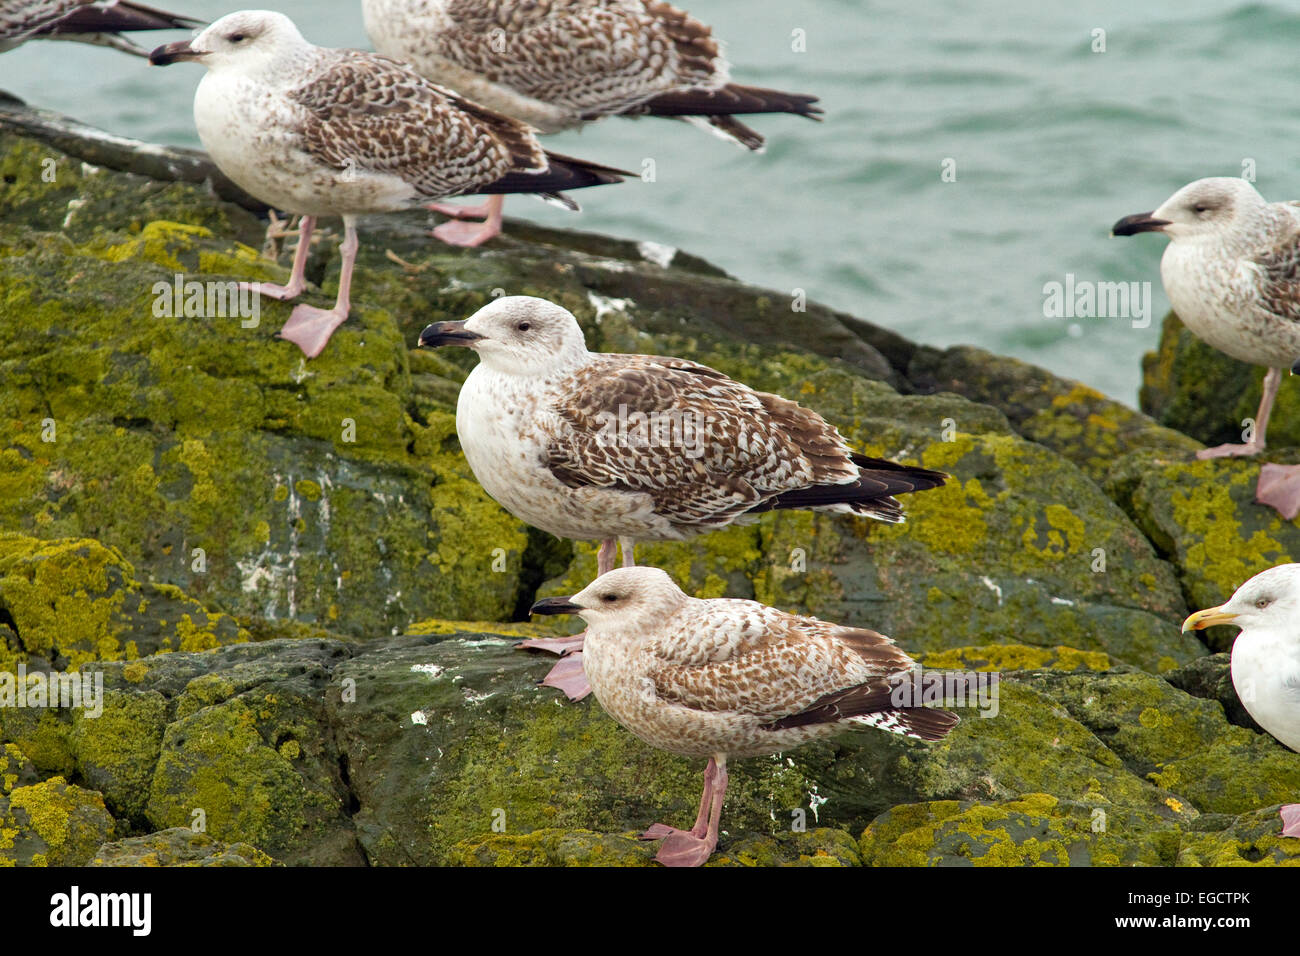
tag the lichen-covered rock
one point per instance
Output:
(1036, 829)
(1196, 389)
(450, 742)
(1183, 744)
(1075, 421)
(550, 847)
(178, 846)
(52, 823)
(1211, 677)
(1202, 515)
(15, 769)
(64, 603)
(1251, 839)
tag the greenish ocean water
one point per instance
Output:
(1045, 138)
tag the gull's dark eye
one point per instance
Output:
(1199, 208)
(236, 38)
(609, 598)
(1263, 603)
(524, 326)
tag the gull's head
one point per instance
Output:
(1271, 599)
(1206, 209)
(625, 599)
(247, 40)
(518, 335)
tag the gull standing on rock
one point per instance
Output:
(626, 448)
(558, 64)
(101, 22)
(325, 132)
(1265, 657)
(1232, 274)
(726, 678)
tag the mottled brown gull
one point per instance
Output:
(625, 448)
(324, 132)
(101, 22)
(1232, 274)
(1266, 657)
(557, 64)
(726, 678)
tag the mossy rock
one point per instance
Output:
(449, 743)
(1211, 677)
(67, 602)
(552, 847)
(178, 846)
(16, 770)
(1015, 657)
(1029, 743)
(1182, 744)
(1196, 389)
(1203, 517)
(1252, 839)
(1036, 829)
(52, 823)
(1074, 420)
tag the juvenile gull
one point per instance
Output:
(1232, 274)
(1265, 656)
(557, 64)
(325, 132)
(100, 22)
(608, 447)
(726, 678)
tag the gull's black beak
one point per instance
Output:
(173, 53)
(449, 333)
(555, 606)
(1138, 222)
(1295, 367)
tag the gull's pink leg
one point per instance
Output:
(297, 278)
(660, 830)
(605, 556)
(461, 212)
(467, 234)
(1291, 820)
(568, 675)
(310, 328)
(1279, 488)
(1272, 380)
(686, 849)
(628, 546)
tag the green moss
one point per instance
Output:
(116, 752)
(1033, 830)
(70, 822)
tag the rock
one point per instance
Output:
(67, 602)
(1252, 839)
(52, 823)
(1211, 677)
(1183, 370)
(1070, 418)
(1036, 829)
(178, 846)
(1202, 515)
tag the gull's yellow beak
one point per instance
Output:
(1208, 618)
